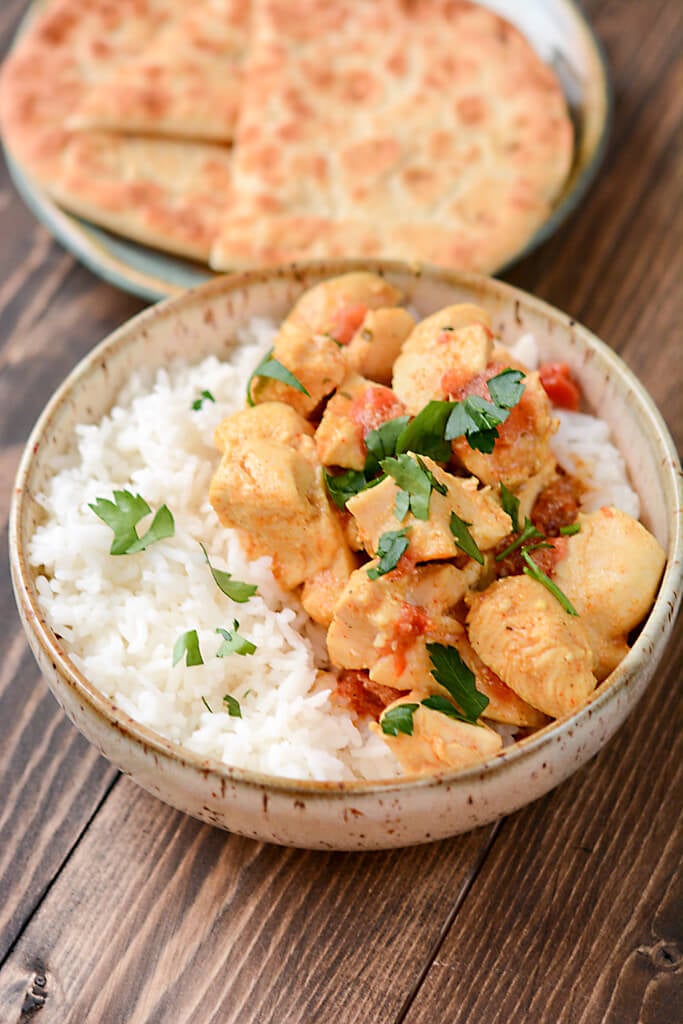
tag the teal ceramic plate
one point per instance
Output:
(560, 34)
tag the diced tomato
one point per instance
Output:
(374, 406)
(346, 320)
(560, 386)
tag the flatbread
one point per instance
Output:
(186, 83)
(162, 193)
(422, 129)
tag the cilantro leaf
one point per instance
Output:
(425, 433)
(570, 530)
(342, 487)
(273, 368)
(401, 505)
(531, 569)
(438, 703)
(506, 388)
(416, 479)
(207, 705)
(233, 643)
(391, 547)
(528, 533)
(464, 539)
(187, 646)
(234, 589)
(398, 719)
(381, 442)
(451, 672)
(232, 706)
(205, 396)
(510, 504)
(123, 514)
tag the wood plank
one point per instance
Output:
(159, 918)
(576, 916)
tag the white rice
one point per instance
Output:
(120, 617)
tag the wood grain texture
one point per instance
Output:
(195, 925)
(115, 908)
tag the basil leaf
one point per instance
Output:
(187, 646)
(232, 706)
(391, 547)
(398, 719)
(205, 396)
(234, 589)
(233, 643)
(510, 504)
(425, 433)
(342, 487)
(506, 388)
(451, 672)
(123, 514)
(531, 569)
(464, 539)
(274, 369)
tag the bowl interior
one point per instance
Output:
(203, 322)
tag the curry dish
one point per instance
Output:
(401, 477)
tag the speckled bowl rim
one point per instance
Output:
(660, 620)
(153, 274)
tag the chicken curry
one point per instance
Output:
(401, 477)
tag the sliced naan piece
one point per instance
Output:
(161, 193)
(186, 82)
(421, 129)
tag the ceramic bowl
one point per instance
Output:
(350, 815)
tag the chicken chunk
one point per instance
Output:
(338, 307)
(373, 510)
(321, 591)
(610, 573)
(385, 617)
(439, 742)
(271, 489)
(456, 339)
(521, 632)
(314, 359)
(358, 407)
(522, 449)
(376, 344)
(504, 704)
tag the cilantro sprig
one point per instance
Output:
(510, 503)
(234, 589)
(275, 370)
(205, 396)
(532, 570)
(123, 514)
(233, 643)
(464, 539)
(392, 545)
(416, 483)
(451, 672)
(187, 647)
(529, 532)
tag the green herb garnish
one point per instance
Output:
(510, 504)
(398, 719)
(506, 388)
(123, 514)
(445, 706)
(528, 533)
(391, 547)
(570, 530)
(425, 433)
(234, 589)
(273, 368)
(205, 396)
(344, 486)
(232, 705)
(464, 539)
(451, 672)
(413, 477)
(207, 705)
(233, 643)
(531, 569)
(187, 646)
(381, 442)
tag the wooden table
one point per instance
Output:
(115, 908)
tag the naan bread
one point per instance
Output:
(166, 194)
(186, 82)
(415, 129)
